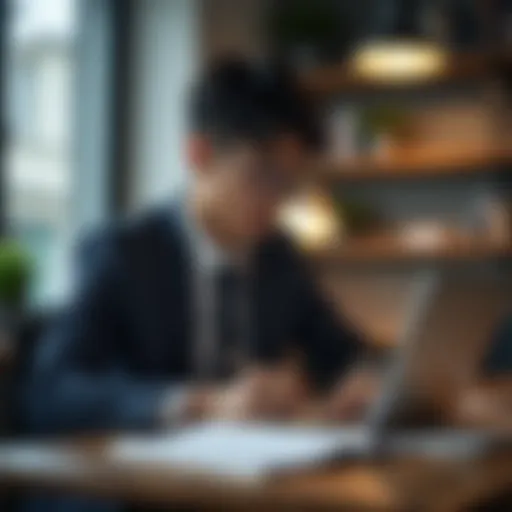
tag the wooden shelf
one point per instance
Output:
(388, 249)
(463, 68)
(418, 164)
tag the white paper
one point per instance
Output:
(240, 450)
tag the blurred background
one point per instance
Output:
(416, 176)
(415, 96)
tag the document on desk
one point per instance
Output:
(241, 450)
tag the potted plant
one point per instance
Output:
(305, 31)
(15, 274)
(357, 218)
(382, 127)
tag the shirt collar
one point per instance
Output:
(206, 253)
(209, 255)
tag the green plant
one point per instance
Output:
(357, 217)
(384, 119)
(304, 22)
(15, 273)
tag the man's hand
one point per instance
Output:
(486, 405)
(258, 393)
(262, 393)
(351, 397)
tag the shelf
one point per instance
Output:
(463, 68)
(418, 164)
(388, 249)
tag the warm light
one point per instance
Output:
(311, 222)
(399, 60)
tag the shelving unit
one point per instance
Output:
(389, 249)
(460, 69)
(425, 169)
(419, 164)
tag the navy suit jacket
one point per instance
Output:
(125, 340)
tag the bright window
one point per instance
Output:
(38, 159)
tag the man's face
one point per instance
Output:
(245, 185)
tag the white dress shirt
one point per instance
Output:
(208, 260)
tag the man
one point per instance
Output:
(194, 311)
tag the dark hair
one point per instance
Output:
(239, 100)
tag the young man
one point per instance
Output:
(192, 312)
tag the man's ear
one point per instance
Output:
(199, 152)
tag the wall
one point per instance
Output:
(165, 56)
(231, 25)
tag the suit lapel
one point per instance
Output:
(163, 291)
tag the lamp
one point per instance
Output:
(311, 220)
(399, 60)
(402, 55)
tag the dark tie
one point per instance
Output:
(230, 305)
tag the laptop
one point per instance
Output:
(448, 332)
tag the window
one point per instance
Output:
(165, 56)
(93, 97)
(40, 68)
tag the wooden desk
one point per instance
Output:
(85, 467)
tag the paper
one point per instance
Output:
(242, 451)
